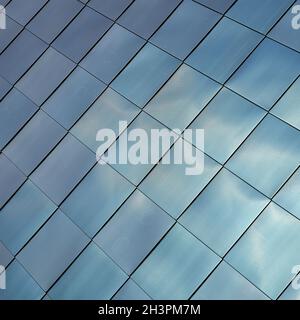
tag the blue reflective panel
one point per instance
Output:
(176, 267)
(227, 284)
(143, 17)
(21, 285)
(73, 97)
(15, 111)
(223, 211)
(34, 142)
(52, 249)
(228, 118)
(186, 27)
(112, 53)
(269, 156)
(133, 231)
(23, 11)
(167, 181)
(45, 75)
(11, 179)
(218, 5)
(110, 8)
(96, 198)
(4, 2)
(147, 72)
(5, 255)
(284, 33)
(290, 294)
(92, 276)
(106, 112)
(137, 171)
(4, 87)
(266, 74)
(63, 168)
(20, 55)
(287, 108)
(268, 250)
(288, 196)
(8, 34)
(182, 98)
(53, 18)
(221, 52)
(260, 15)
(23, 215)
(131, 291)
(127, 211)
(83, 32)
